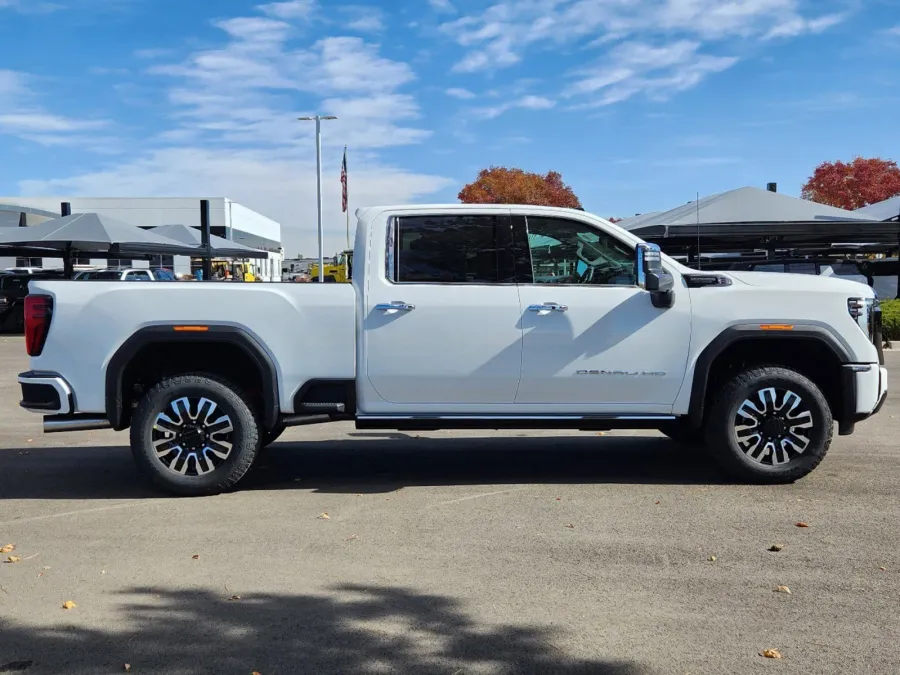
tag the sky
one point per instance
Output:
(640, 104)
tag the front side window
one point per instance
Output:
(450, 249)
(569, 252)
(769, 267)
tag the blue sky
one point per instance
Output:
(639, 103)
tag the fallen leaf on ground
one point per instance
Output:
(195, 557)
(656, 502)
(40, 574)
(324, 516)
(776, 547)
(601, 433)
(802, 524)
(351, 537)
(30, 440)
(782, 589)
(771, 654)
(68, 604)
(559, 499)
(235, 597)
(712, 558)
(13, 559)
(9, 548)
(570, 526)
(127, 666)
(255, 672)
(883, 569)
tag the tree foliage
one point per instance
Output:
(855, 184)
(500, 185)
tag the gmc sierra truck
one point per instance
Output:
(462, 317)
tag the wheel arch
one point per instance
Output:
(747, 337)
(118, 411)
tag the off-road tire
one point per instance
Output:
(681, 431)
(722, 437)
(245, 437)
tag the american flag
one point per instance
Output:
(344, 182)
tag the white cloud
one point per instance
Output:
(31, 6)
(504, 32)
(457, 92)
(442, 6)
(797, 25)
(40, 122)
(152, 53)
(633, 68)
(22, 116)
(894, 31)
(363, 19)
(525, 102)
(292, 9)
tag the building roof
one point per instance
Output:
(743, 205)
(886, 210)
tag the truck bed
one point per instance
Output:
(308, 329)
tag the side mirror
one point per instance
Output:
(652, 277)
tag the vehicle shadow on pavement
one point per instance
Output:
(375, 463)
(355, 629)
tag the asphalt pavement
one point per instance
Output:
(449, 553)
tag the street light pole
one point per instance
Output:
(318, 119)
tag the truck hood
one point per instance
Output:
(803, 282)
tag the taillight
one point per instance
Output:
(38, 312)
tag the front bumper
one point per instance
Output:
(46, 393)
(865, 391)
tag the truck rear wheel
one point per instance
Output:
(194, 435)
(769, 425)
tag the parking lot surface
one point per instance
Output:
(450, 553)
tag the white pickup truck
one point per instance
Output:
(461, 317)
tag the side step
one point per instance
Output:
(323, 408)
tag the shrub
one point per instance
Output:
(890, 318)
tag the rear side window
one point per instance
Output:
(802, 268)
(450, 250)
(13, 283)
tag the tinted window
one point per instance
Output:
(570, 252)
(450, 249)
(104, 275)
(802, 268)
(771, 267)
(13, 283)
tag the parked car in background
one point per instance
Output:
(13, 289)
(130, 274)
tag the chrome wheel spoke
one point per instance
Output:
(773, 426)
(192, 436)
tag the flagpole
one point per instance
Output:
(318, 120)
(346, 188)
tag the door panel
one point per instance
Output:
(610, 347)
(442, 324)
(592, 338)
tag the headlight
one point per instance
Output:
(867, 314)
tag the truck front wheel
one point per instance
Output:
(769, 425)
(194, 435)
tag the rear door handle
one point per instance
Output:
(548, 307)
(396, 305)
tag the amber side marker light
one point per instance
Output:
(190, 329)
(776, 326)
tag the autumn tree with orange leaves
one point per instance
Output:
(500, 185)
(855, 184)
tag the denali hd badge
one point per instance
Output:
(626, 373)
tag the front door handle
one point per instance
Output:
(395, 306)
(548, 307)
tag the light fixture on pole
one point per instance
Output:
(318, 119)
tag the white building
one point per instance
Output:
(228, 219)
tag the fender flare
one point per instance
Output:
(743, 332)
(232, 335)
